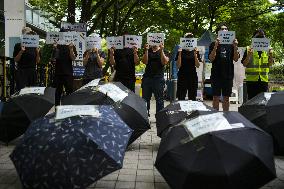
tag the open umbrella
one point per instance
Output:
(71, 152)
(176, 112)
(129, 106)
(266, 110)
(216, 151)
(24, 107)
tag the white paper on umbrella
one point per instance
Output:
(92, 83)
(76, 110)
(32, 90)
(237, 125)
(207, 123)
(114, 92)
(188, 106)
(267, 96)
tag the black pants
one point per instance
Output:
(256, 87)
(61, 81)
(26, 77)
(187, 85)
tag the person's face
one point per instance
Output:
(223, 28)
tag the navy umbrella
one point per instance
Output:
(216, 151)
(129, 106)
(22, 108)
(176, 112)
(71, 152)
(266, 110)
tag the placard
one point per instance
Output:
(116, 42)
(133, 41)
(188, 43)
(207, 123)
(30, 40)
(53, 37)
(260, 44)
(32, 90)
(188, 106)
(79, 27)
(93, 42)
(114, 92)
(76, 110)
(226, 37)
(155, 38)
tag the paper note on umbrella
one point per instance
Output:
(114, 92)
(76, 110)
(32, 90)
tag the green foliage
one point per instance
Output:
(277, 72)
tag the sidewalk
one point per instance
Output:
(138, 171)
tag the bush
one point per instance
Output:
(277, 73)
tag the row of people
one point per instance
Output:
(154, 57)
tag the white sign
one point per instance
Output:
(79, 27)
(32, 90)
(93, 42)
(53, 37)
(267, 96)
(114, 92)
(188, 43)
(155, 38)
(226, 37)
(92, 83)
(30, 40)
(116, 42)
(207, 123)
(133, 41)
(260, 44)
(76, 110)
(188, 106)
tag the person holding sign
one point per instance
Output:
(153, 79)
(257, 63)
(222, 72)
(93, 62)
(63, 55)
(26, 58)
(187, 62)
(124, 61)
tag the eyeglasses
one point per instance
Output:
(224, 28)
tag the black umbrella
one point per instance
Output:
(72, 152)
(194, 155)
(129, 106)
(21, 109)
(266, 110)
(176, 112)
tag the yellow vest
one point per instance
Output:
(257, 67)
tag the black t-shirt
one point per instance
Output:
(63, 65)
(154, 66)
(28, 58)
(92, 69)
(187, 68)
(222, 66)
(124, 63)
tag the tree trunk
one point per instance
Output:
(71, 11)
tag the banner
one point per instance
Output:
(155, 38)
(226, 37)
(78, 27)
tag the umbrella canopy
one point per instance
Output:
(266, 110)
(26, 106)
(72, 152)
(216, 151)
(129, 106)
(176, 112)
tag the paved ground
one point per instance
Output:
(138, 171)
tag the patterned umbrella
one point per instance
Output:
(72, 152)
